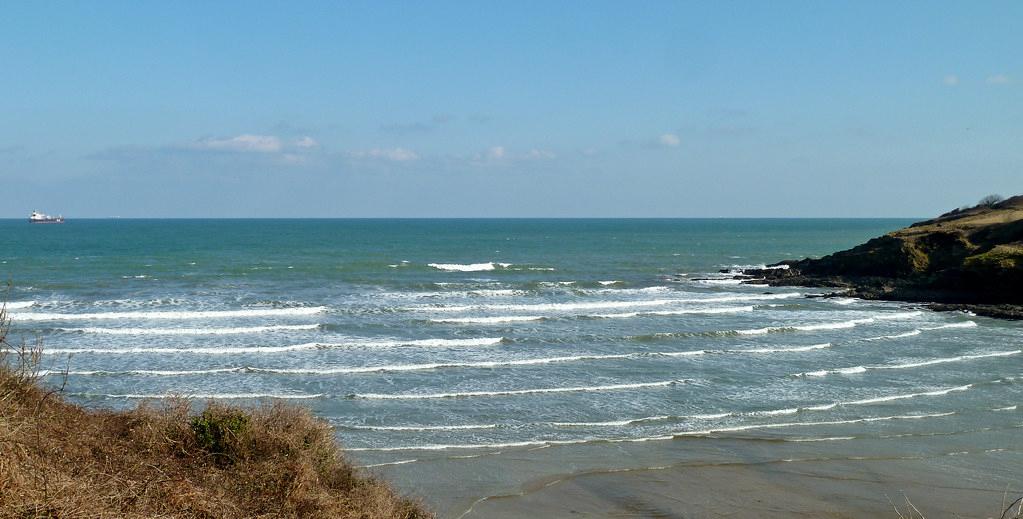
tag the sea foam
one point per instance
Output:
(469, 394)
(192, 331)
(183, 315)
(470, 267)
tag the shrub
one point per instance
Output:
(217, 430)
(990, 201)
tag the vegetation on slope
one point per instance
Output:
(966, 256)
(60, 460)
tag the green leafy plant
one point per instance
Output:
(217, 430)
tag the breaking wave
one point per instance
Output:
(469, 394)
(213, 314)
(908, 365)
(192, 331)
(470, 267)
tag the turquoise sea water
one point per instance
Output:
(465, 358)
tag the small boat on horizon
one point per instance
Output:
(37, 217)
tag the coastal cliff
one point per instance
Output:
(966, 259)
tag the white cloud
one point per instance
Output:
(306, 143)
(535, 154)
(951, 80)
(496, 153)
(242, 143)
(502, 154)
(670, 140)
(391, 154)
(998, 79)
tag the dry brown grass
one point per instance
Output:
(60, 460)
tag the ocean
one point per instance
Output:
(467, 359)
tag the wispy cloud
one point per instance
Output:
(243, 148)
(669, 140)
(950, 80)
(430, 125)
(999, 79)
(242, 143)
(388, 154)
(497, 154)
(306, 143)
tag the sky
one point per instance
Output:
(508, 109)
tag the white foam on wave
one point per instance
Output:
(469, 267)
(14, 305)
(469, 394)
(964, 324)
(882, 399)
(945, 360)
(240, 350)
(1007, 408)
(907, 365)
(666, 437)
(843, 301)
(738, 428)
(420, 428)
(625, 291)
(439, 365)
(439, 447)
(718, 310)
(147, 372)
(212, 314)
(840, 371)
(424, 343)
(718, 281)
(822, 439)
(206, 396)
(783, 349)
(774, 412)
(490, 320)
(911, 333)
(400, 462)
(598, 305)
(613, 423)
(193, 331)
(839, 325)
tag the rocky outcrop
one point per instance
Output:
(967, 259)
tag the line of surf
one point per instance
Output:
(393, 367)
(599, 305)
(243, 350)
(204, 396)
(180, 315)
(716, 310)
(512, 392)
(666, 437)
(918, 331)
(907, 365)
(192, 331)
(831, 325)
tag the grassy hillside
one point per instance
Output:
(60, 460)
(966, 256)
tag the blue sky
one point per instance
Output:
(617, 109)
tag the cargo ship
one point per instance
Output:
(37, 217)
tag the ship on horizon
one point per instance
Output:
(37, 217)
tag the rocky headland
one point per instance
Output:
(968, 259)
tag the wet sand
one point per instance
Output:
(829, 489)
